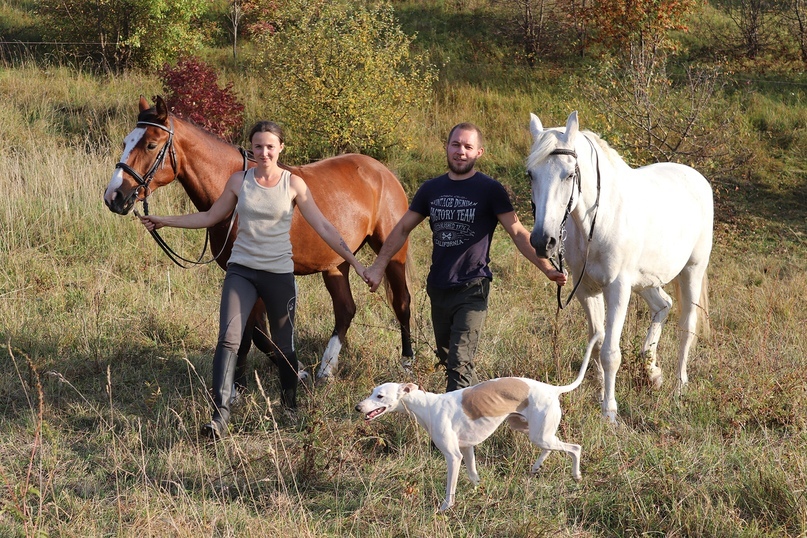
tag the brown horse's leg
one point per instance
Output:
(397, 287)
(400, 299)
(344, 308)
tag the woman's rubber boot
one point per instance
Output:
(223, 372)
(239, 380)
(287, 372)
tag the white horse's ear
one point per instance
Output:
(409, 387)
(572, 126)
(536, 127)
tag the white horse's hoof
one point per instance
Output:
(610, 416)
(655, 377)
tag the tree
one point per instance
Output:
(341, 76)
(798, 25)
(620, 24)
(126, 33)
(235, 15)
(754, 20)
(661, 119)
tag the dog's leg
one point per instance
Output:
(556, 444)
(540, 461)
(543, 434)
(470, 464)
(453, 461)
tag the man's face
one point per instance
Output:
(463, 150)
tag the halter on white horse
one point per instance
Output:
(653, 226)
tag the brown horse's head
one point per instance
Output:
(148, 161)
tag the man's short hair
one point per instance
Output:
(467, 126)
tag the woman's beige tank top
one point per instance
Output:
(264, 221)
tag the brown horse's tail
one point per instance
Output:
(407, 276)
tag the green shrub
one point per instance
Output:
(125, 33)
(341, 77)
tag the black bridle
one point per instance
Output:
(144, 182)
(561, 235)
(143, 185)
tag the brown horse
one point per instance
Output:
(358, 194)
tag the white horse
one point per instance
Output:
(621, 230)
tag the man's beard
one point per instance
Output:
(461, 167)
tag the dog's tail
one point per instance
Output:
(576, 383)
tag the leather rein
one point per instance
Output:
(143, 186)
(562, 235)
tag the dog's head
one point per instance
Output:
(385, 398)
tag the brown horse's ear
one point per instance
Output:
(144, 105)
(162, 108)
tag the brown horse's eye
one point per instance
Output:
(151, 146)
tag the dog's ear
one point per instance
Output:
(409, 387)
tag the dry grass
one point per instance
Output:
(107, 350)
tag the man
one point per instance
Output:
(464, 207)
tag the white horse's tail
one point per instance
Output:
(703, 309)
(576, 383)
(704, 327)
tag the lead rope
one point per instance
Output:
(171, 253)
(562, 239)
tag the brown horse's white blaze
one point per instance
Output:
(358, 194)
(112, 195)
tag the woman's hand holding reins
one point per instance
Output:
(151, 222)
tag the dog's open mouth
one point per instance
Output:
(374, 413)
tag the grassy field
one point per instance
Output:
(106, 350)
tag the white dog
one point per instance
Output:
(457, 421)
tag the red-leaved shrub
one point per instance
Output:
(193, 93)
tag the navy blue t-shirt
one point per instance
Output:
(462, 216)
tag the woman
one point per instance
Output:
(260, 264)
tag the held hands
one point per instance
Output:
(361, 270)
(373, 276)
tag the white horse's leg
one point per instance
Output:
(659, 303)
(691, 282)
(594, 308)
(617, 297)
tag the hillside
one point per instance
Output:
(107, 346)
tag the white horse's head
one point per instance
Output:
(553, 172)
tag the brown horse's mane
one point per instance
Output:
(151, 115)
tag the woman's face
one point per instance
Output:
(266, 147)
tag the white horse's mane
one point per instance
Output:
(547, 142)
